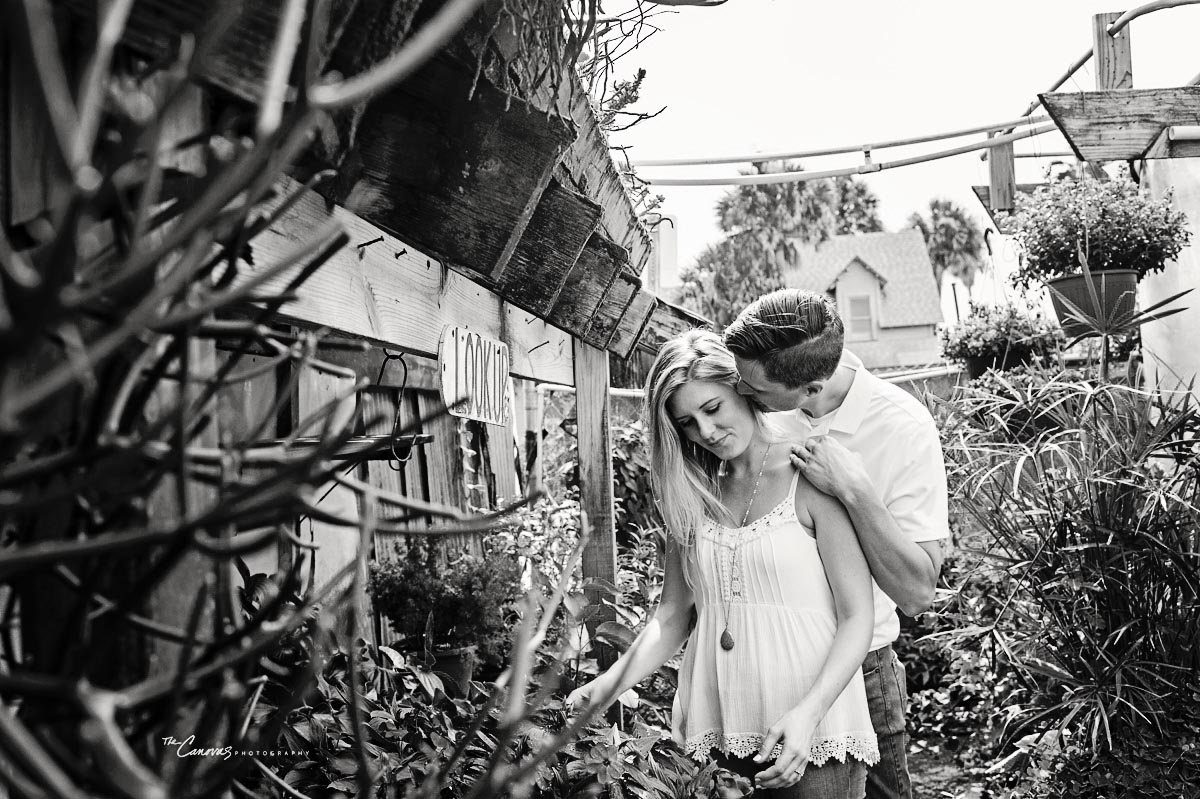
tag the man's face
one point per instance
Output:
(776, 396)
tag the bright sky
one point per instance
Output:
(770, 75)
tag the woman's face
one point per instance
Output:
(714, 416)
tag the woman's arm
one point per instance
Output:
(658, 641)
(850, 580)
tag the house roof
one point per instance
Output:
(908, 293)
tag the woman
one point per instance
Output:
(771, 681)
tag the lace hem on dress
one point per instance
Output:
(860, 746)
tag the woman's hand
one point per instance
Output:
(794, 732)
(585, 696)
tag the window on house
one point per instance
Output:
(860, 320)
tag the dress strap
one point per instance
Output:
(791, 495)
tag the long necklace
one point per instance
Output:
(734, 558)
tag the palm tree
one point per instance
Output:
(778, 215)
(954, 241)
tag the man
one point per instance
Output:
(875, 448)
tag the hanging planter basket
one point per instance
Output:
(1116, 289)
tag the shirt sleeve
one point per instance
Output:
(918, 500)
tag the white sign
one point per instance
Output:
(475, 377)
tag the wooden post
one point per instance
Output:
(1002, 179)
(1113, 55)
(595, 472)
(533, 406)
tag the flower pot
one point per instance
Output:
(978, 364)
(457, 664)
(1116, 289)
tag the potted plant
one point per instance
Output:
(1109, 228)
(454, 613)
(998, 337)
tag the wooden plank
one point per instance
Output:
(238, 63)
(338, 545)
(1111, 55)
(1120, 125)
(414, 373)
(595, 470)
(561, 225)
(446, 475)
(586, 284)
(532, 403)
(378, 408)
(666, 322)
(1168, 146)
(588, 161)
(629, 327)
(502, 453)
(390, 293)
(1002, 178)
(612, 308)
(453, 172)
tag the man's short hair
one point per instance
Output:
(796, 336)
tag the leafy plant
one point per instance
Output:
(1113, 222)
(1088, 523)
(1000, 330)
(468, 601)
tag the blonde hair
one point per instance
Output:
(683, 476)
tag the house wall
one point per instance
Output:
(887, 346)
(899, 346)
(1168, 345)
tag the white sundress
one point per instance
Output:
(782, 618)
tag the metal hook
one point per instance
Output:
(396, 463)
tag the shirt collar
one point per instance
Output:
(853, 410)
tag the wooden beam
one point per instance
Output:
(586, 286)
(455, 173)
(588, 162)
(1120, 125)
(666, 322)
(1175, 142)
(390, 293)
(596, 471)
(238, 62)
(633, 321)
(1112, 55)
(1002, 180)
(561, 225)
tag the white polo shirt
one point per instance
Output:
(898, 442)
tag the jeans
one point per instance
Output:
(833, 780)
(887, 697)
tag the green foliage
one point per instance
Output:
(1114, 223)
(954, 240)
(631, 476)
(466, 602)
(857, 207)
(763, 226)
(1084, 498)
(998, 330)
(728, 276)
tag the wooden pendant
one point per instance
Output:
(726, 640)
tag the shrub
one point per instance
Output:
(466, 602)
(998, 331)
(1115, 224)
(1087, 513)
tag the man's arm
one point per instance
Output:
(905, 569)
